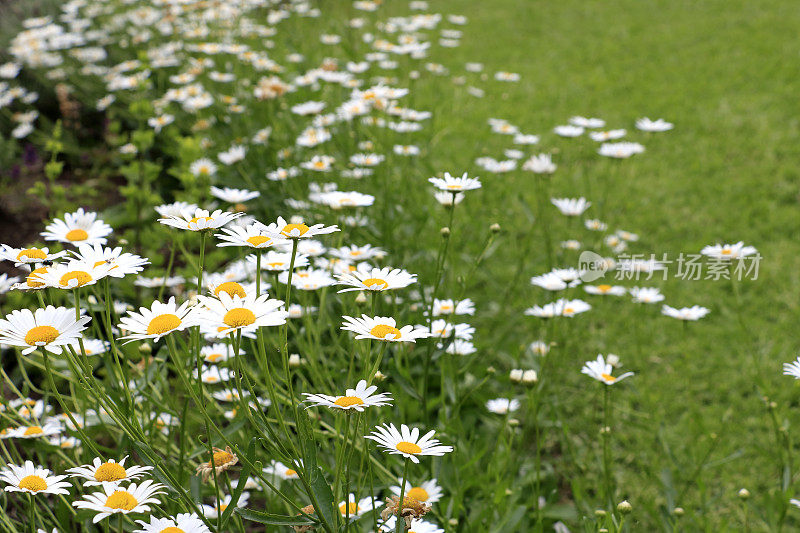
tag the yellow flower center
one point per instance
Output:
(319, 164)
(408, 447)
(110, 472)
(290, 472)
(121, 499)
(77, 235)
(79, 275)
(239, 317)
(221, 458)
(604, 288)
(382, 330)
(33, 483)
(172, 529)
(33, 277)
(608, 377)
(418, 493)
(382, 284)
(31, 253)
(726, 251)
(568, 311)
(347, 401)
(33, 430)
(41, 335)
(289, 228)
(257, 240)
(350, 508)
(222, 507)
(163, 324)
(454, 187)
(214, 357)
(231, 288)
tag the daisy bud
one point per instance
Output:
(602, 530)
(624, 507)
(612, 359)
(240, 208)
(530, 377)
(495, 228)
(361, 298)
(445, 232)
(91, 299)
(296, 219)
(600, 513)
(295, 360)
(678, 511)
(509, 492)
(513, 422)
(145, 348)
(516, 375)
(379, 376)
(453, 522)
(491, 370)
(744, 494)
(123, 242)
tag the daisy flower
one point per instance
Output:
(610, 135)
(571, 207)
(119, 264)
(234, 196)
(217, 353)
(250, 236)
(274, 261)
(568, 131)
(693, 313)
(343, 199)
(276, 468)
(7, 283)
(600, 369)
(48, 429)
(114, 499)
(502, 406)
(199, 220)
(359, 398)
(213, 375)
(211, 511)
(407, 442)
(80, 227)
(161, 319)
(175, 209)
(33, 480)
(646, 295)
(233, 288)
(357, 253)
(645, 124)
(426, 492)
(355, 509)
(620, 150)
(453, 307)
(234, 154)
(221, 461)
(236, 313)
(382, 329)
(459, 347)
(614, 290)
(182, 523)
(308, 280)
(376, 279)
(792, 369)
(455, 185)
(284, 230)
(584, 122)
(446, 198)
(74, 274)
(727, 252)
(110, 471)
(550, 282)
(319, 163)
(540, 164)
(202, 167)
(28, 256)
(49, 328)
(444, 329)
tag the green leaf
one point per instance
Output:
(273, 519)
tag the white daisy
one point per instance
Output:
(693, 313)
(283, 230)
(502, 406)
(49, 428)
(645, 124)
(600, 370)
(217, 353)
(28, 256)
(80, 227)
(584, 122)
(182, 523)
(212, 511)
(359, 398)
(451, 307)
(357, 253)
(251, 236)
(100, 472)
(33, 480)
(571, 207)
(279, 261)
(277, 468)
(426, 492)
(74, 274)
(382, 329)
(202, 167)
(199, 219)
(234, 196)
(161, 319)
(614, 290)
(119, 264)
(407, 442)
(454, 185)
(376, 279)
(115, 499)
(646, 295)
(237, 313)
(727, 252)
(356, 508)
(49, 328)
(792, 369)
(175, 209)
(620, 150)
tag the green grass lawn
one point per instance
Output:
(694, 427)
